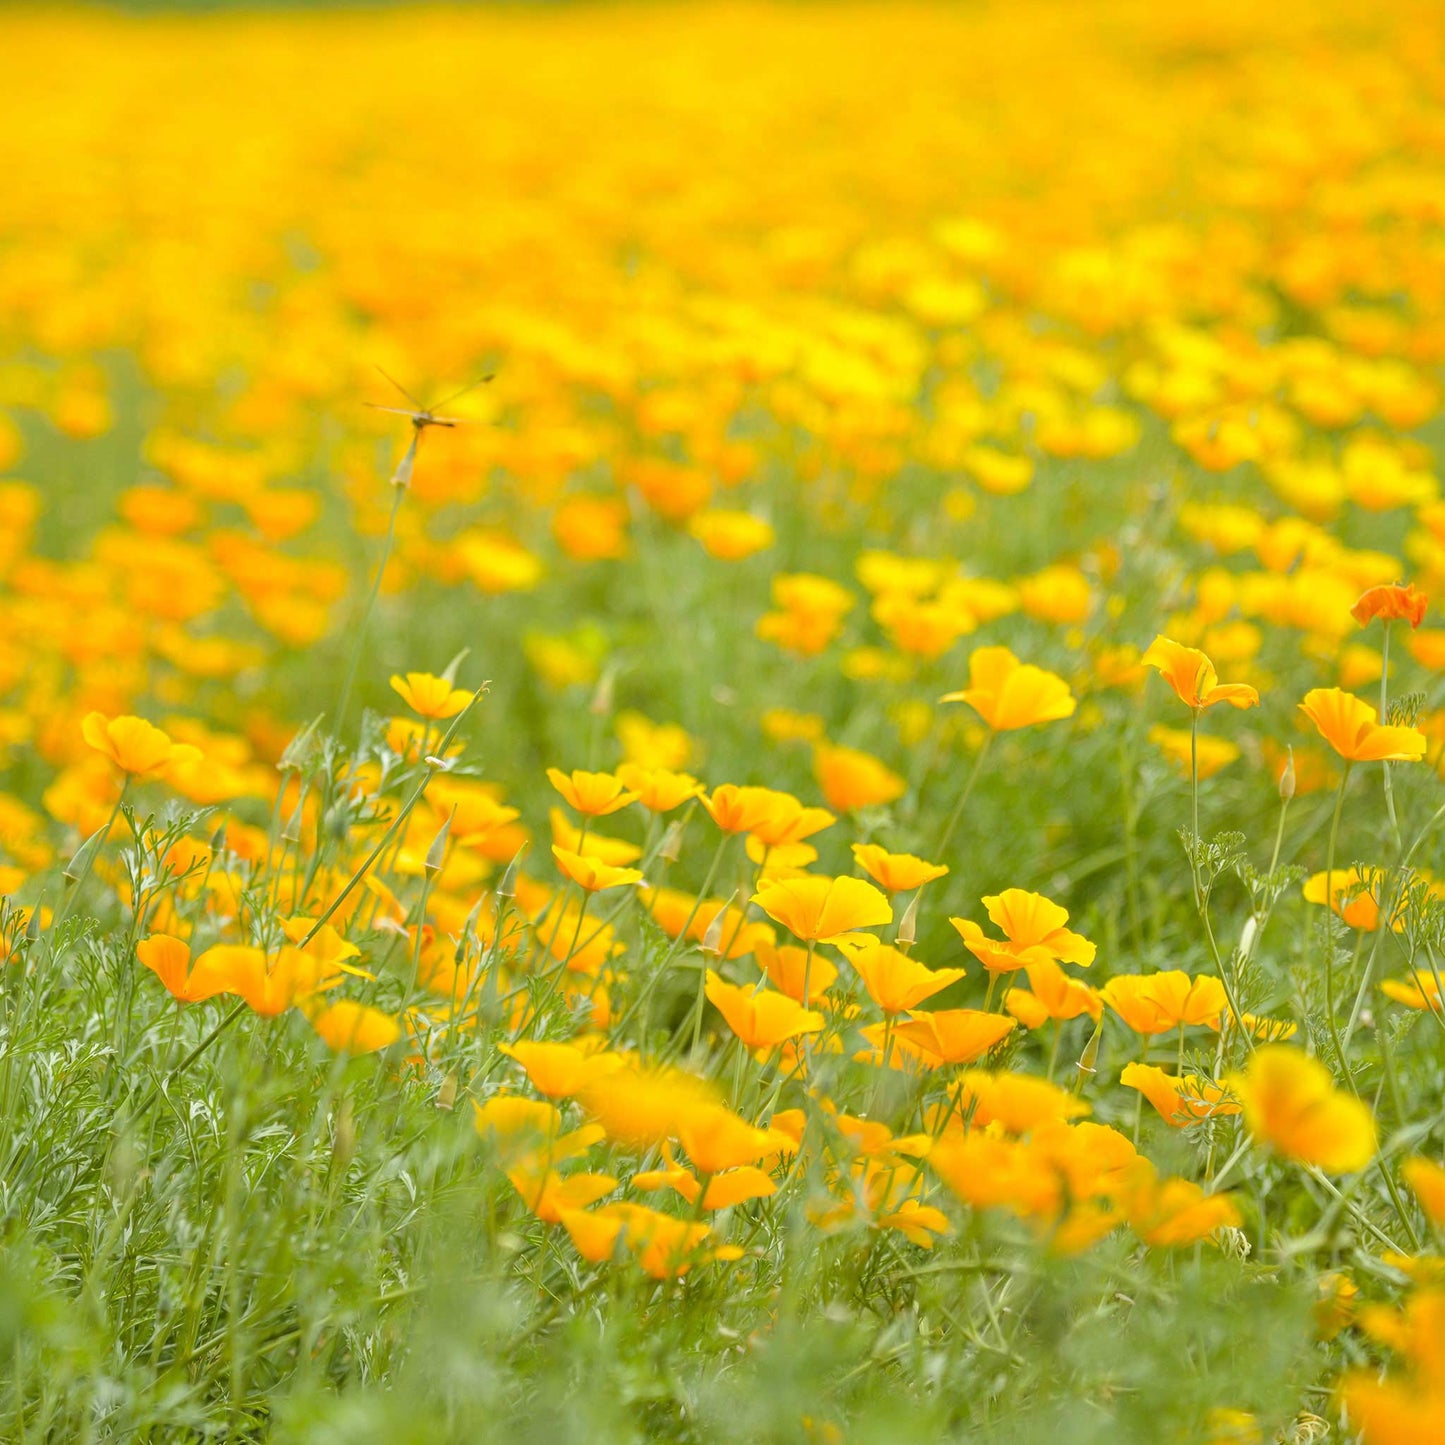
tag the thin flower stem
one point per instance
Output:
(1385, 766)
(1330, 1021)
(957, 814)
(359, 647)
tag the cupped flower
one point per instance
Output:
(1192, 676)
(353, 1028)
(1157, 1002)
(761, 1018)
(1033, 929)
(820, 910)
(592, 794)
(896, 982)
(851, 779)
(659, 790)
(1291, 1103)
(1390, 603)
(1008, 694)
(771, 816)
(1353, 729)
(592, 874)
(1354, 895)
(430, 696)
(895, 872)
(1179, 1101)
(954, 1035)
(135, 746)
(169, 959)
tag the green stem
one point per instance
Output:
(956, 815)
(1330, 1020)
(362, 627)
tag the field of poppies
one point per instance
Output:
(723, 722)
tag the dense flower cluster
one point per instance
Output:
(879, 523)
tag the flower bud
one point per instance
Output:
(1287, 779)
(76, 869)
(908, 925)
(1090, 1057)
(712, 940)
(671, 848)
(507, 888)
(436, 855)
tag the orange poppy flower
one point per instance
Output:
(1420, 990)
(1008, 694)
(557, 1070)
(851, 779)
(1389, 603)
(1352, 728)
(1354, 895)
(1157, 1002)
(430, 696)
(895, 872)
(766, 813)
(591, 874)
(760, 1018)
(658, 789)
(354, 1028)
(1192, 676)
(1055, 995)
(820, 910)
(169, 959)
(1290, 1101)
(1427, 1182)
(1033, 929)
(1180, 1102)
(134, 745)
(788, 968)
(954, 1035)
(895, 981)
(592, 794)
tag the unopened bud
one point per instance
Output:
(671, 848)
(1287, 779)
(291, 833)
(601, 704)
(298, 750)
(401, 477)
(908, 926)
(1089, 1059)
(447, 1094)
(343, 1138)
(218, 838)
(712, 940)
(469, 930)
(32, 924)
(436, 855)
(76, 869)
(450, 671)
(507, 888)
